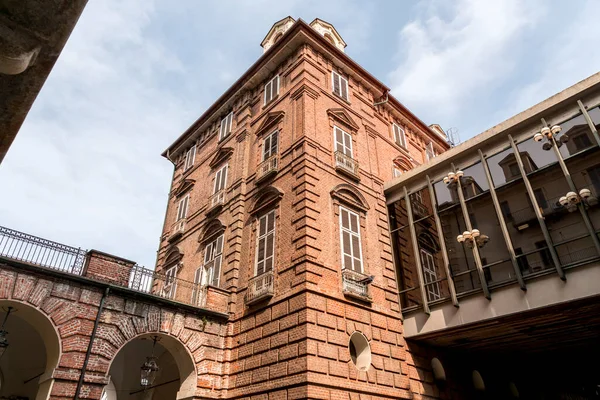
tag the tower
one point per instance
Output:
(276, 210)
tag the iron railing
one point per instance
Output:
(260, 287)
(267, 167)
(356, 284)
(346, 163)
(42, 252)
(148, 281)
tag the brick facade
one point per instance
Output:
(295, 344)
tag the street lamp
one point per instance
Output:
(473, 238)
(453, 177)
(3, 333)
(551, 136)
(150, 368)
(571, 199)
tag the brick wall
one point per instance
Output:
(107, 268)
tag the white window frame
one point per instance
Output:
(170, 287)
(271, 90)
(430, 275)
(207, 274)
(265, 236)
(220, 182)
(397, 171)
(190, 157)
(346, 142)
(268, 151)
(429, 151)
(399, 135)
(351, 233)
(226, 125)
(343, 84)
(182, 207)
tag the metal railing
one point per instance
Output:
(169, 287)
(217, 199)
(42, 252)
(355, 284)
(260, 287)
(270, 165)
(346, 163)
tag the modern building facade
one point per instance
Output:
(497, 250)
(288, 268)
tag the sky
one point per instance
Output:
(86, 170)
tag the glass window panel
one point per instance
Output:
(269, 264)
(502, 167)
(354, 223)
(432, 260)
(355, 246)
(345, 219)
(474, 181)
(445, 196)
(420, 202)
(585, 171)
(407, 269)
(261, 249)
(346, 243)
(263, 226)
(271, 221)
(534, 156)
(270, 240)
(499, 273)
(579, 133)
(576, 251)
(460, 257)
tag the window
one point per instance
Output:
(220, 180)
(429, 152)
(430, 276)
(189, 158)
(540, 198)
(270, 145)
(397, 171)
(343, 141)
(210, 272)
(183, 207)
(170, 282)
(226, 126)
(350, 240)
(505, 210)
(265, 243)
(594, 175)
(340, 85)
(514, 170)
(271, 89)
(582, 142)
(399, 135)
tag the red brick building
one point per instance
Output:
(277, 202)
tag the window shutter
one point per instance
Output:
(276, 86)
(265, 248)
(344, 87)
(336, 83)
(350, 240)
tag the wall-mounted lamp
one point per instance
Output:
(3, 333)
(453, 177)
(150, 368)
(472, 238)
(571, 199)
(548, 133)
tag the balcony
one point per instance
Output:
(260, 288)
(346, 164)
(355, 284)
(267, 169)
(216, 201)
(177, 230)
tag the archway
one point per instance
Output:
(32, 354)
(176, 378)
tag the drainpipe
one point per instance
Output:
(89, 349)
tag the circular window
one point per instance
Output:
(360, 351)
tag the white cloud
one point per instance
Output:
(451, 53)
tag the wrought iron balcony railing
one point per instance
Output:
(260, 288)
(267, 168)
(346, 163)
(45, 253)
(356, 284)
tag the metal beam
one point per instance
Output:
(502, 222)
(589, 121)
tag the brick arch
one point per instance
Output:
(211, 230)
(403, 163)
(267, 197)
(351, 196)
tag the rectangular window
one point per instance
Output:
(226, 126)
(183, 207)
(350, 240)
(429, 151)
(582, 142)
(340, 85)
(213, 254)
(270, 145)
(505, 210)
(170, 282)
(430, 276)
(514, 170)
(220, 179)
(540, 198)
(594, 175)
(399, 135)
(265, 243)
(343, 141)
(271, 89)
(189, 158)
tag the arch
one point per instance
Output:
(26, 315)
(211, 230)
(428, 242)
(266, 198)
(173, 256)
(439, 373)
(403, 163)
(132, 354)
(347, 194)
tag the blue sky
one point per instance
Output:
(86, 168)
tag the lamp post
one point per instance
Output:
(473, 238)
(150, 368)
(3, 333)
(571, 199)
(551, 136)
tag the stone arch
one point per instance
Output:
(180, 353)
(267, 198)
(48, 332)
(403, 163)
(347, 194)
(211, 230)
(173, 256)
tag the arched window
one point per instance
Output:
(329, 38)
